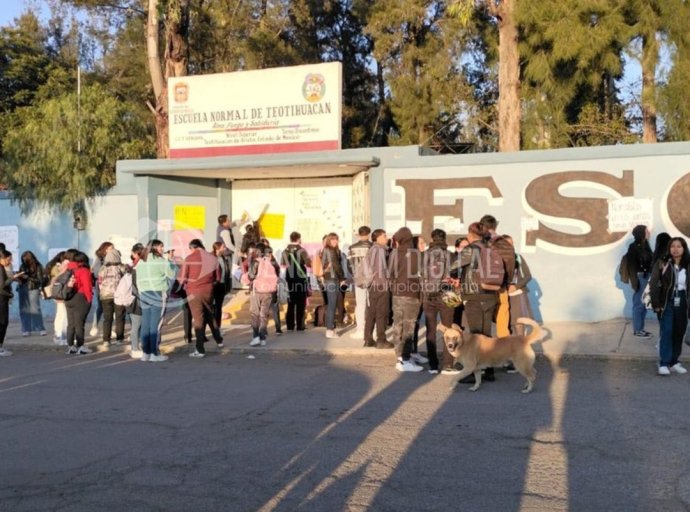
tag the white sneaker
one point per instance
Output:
(263, 343)
(153, 358)
(4, 352)
(418, 358)
(407, 366)
(25, 334)
(330, 333)
(136, 354)
(433, 372)
(197, 354)
(93, 331)
(145, 357)
(84, 350)
(679, 369)
(42, 333)
(663, 370)
(220, 345)
(255, 342)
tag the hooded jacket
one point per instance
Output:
(639, 256)
(435, 269)
(377, 262)
(404, 266)
(83, 282)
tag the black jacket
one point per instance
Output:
(662, 283)
(296, 260)
(639, 258)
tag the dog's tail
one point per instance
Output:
(535, 334)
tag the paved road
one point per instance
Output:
(279, 433)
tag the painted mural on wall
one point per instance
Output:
(567, 217)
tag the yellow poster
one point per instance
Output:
(272, 225)
(187, 216)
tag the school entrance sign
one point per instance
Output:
(276, 110)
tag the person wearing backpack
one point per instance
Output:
(639, 260)
(480, 298)
(198, 275)
(109, 275)
(32, 278)
(356, 254)
(518, 292)
(78, 304)
(155, 273)
(54, 268)
(224, 285)
(263, 272)
(296, 260)
(134, 306)
(498, 243)
(435, 280)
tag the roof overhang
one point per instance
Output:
(296, 165)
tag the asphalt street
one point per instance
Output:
(103, 432)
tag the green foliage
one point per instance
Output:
(56, 154)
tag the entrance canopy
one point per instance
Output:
(326, 164)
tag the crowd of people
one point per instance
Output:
(660, 280)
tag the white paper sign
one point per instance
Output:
(628, 212)
(9, 235)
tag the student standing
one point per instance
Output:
(6, 294)
(31, 281)
(154, 275)
(263, 272)
(333, 279)
(639, 258)
(296, 260)
(356, 254)
(109, 275)
(79, 305)
(669, 285)
(378, 292)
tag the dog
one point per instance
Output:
(476, 351)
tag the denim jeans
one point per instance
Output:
(673, 323)
(152, 312)
(30, 309)
(332, 289)
(136, 328)
(639, 312)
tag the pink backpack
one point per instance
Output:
(266, 280)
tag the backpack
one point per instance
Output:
(435, 272)
(61, 289)
(363, 274)
(266, 280)
(283, 292)
(124, 294)
(487, 267)
(317, 265)
(623, 270)
(108, 279)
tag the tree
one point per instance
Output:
(418, 49)
(63, 150)
(509, 113)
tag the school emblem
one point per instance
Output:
(181, 92)
(314, 87)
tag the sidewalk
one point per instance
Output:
(609, 339)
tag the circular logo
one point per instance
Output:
(314, 87)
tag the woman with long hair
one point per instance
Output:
(98, 261)
(31, 282)
(155, 273)
(669, 285)
(6, 280)
(79, 305)
(54, 268)
(333, 279)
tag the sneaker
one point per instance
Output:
(145, 357)
(330, 333)
(136, 354)
(642, 334)
(450, 371)
(510, 368)
(84, 350)
(262, 343)
(71, 350)
(663, 370)
(42, 333)
(255, 342)
(384, 345)
(220, 345)
(279, 333)
(153, 358)
(93, 331)
(25, 334)
(434, 371)
(679, 369)
(407, 366)
(4, 352)
(197, 354)
(418, 358)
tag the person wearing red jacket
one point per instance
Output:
(79, 305)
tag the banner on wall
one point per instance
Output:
(277, 110)
(9, 235)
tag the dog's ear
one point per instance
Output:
(442, 327)
(457, 327)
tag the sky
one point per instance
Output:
(10, 9)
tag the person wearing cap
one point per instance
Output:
(109, 275)
(200, 271)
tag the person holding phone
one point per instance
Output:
(6, 280)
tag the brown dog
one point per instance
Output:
(476, 351)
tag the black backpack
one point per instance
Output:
(61, 289)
